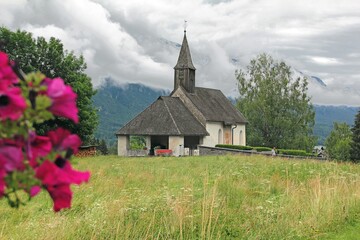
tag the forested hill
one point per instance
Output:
(327, 115)
(119, 104)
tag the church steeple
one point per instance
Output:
(184, 68)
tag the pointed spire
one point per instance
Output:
(184, 74)
(184, 60)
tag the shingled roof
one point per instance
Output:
(166, 116)
(213, 104)
(184, 60)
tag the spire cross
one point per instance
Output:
(185, 25)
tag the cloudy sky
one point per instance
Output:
(135, 41)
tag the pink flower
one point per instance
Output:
(7, 75)
(61, 196)
(34, 191)
(11, 156)
(56, 178)
(11, 159)
(12, 103)
(37, 146)
(63, 99)
(63, 140)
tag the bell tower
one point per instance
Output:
(184, 70)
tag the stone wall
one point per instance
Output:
(137, 153)
(205, 151)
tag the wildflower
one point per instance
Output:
(12, 103)
(63, 99)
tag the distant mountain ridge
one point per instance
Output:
(319, 80)
(119, 104)
(327, 115)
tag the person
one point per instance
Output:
(273, 152)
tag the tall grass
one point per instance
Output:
(228, 197)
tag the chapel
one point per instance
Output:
(189, 117)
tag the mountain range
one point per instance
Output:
(118, 104)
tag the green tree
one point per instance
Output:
(137, 142)
(338, 142)
(51, 59)
(113, 149)
(355, 144)
(103, 147)
(276, 105)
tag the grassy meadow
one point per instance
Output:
(224, 197)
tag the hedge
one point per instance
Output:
(293, 152)
(238, 147)
(262, 149)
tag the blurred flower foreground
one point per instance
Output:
(29, 162)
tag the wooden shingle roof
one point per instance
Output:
(166, 116)
(214, 106)
(184, 60)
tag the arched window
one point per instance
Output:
(220, 137)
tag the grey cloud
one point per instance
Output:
(136, 41)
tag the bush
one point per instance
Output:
(293, 152)
(262, 149)
(238, 147)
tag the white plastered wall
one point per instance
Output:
(123, 145)
(174, 144)
(148, 142)
(213, 129)
(239, 135)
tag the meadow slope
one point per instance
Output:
(227, 197)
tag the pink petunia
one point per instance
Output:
(61, 195)
(11, 156)
(7, 75)
(12, 103)
(34, 191)
(76, 177)
(63, 140)
(63, 99)
(56, 177)
(37, 146)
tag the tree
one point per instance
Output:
(137, 142)
(51, 59)
(338, 142)
(276, 105)
(355, 144)
(103, 147)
